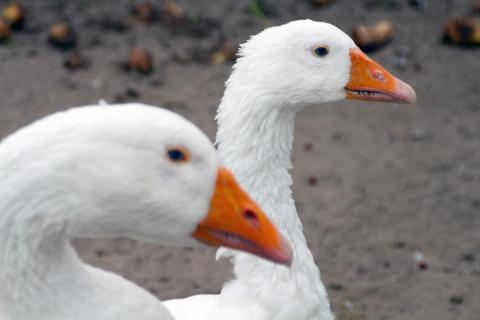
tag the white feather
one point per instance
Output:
(94, 172)
(276, 75)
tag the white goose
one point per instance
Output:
(280, 71)
(131, 170)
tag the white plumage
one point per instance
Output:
(276, 75)
(103, 172)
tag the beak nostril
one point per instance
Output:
(378, 75)
(250, 215)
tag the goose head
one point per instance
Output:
(308, 63)
(134, 171)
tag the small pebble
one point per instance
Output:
(14, 14)
(372, 37)
(419, 135)
(456, 300)
(140, 60)
(420, 260)
(468, 257)
(463, 31)
(423, 265)
(308, 146)
(312, 180)
(62, 35)
(172, 13)
(336, 286)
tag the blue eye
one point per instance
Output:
(321, 51)
(177, 154)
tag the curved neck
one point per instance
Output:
(41, 275)
(255, 136)
(35, 253)
(256, 145)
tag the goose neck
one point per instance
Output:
(35, 254)
(255, 137)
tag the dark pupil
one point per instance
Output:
(321, 51)
(176, 155)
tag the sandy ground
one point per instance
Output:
(391, 180)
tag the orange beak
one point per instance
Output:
(235, 221)
(370, 81)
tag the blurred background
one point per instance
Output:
(389, 194)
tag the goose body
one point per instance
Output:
(101, 172)
(280, 71)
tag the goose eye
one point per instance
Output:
(321, 51)
(177, 154)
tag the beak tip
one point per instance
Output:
(413, 100)
(285, 253)
(406, 92)
(411, 96)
